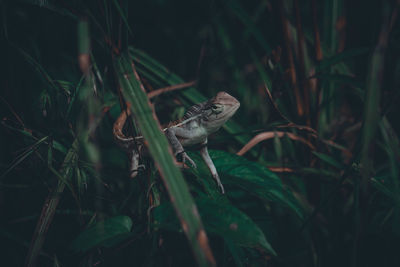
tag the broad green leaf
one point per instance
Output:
(104, 233)
(254, 178)
(233, 225)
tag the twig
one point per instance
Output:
(170, 88)
(268, 135)
(300, 127)
(280, 169)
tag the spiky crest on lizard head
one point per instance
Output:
(212, 113)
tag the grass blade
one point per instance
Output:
(22, 157)
(49, 208)
(372, 98)
(161, 152)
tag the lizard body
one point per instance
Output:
(196, 125)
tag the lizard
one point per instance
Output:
(193, 128)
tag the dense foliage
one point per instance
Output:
(310, 162)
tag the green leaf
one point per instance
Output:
(254, 178)
(103, 233)
(234, 225)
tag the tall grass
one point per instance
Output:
(310, 162)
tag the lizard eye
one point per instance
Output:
(216, 109)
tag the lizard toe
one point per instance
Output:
(191, 162)
(186, 157)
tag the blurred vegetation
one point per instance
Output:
(310, 162)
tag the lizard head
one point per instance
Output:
(218, 110)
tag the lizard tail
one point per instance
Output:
(119, 136)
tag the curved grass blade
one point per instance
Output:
(161, 152)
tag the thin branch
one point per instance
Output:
(157, 92)
(268, 135)
(280, 169)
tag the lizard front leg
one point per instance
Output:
(210, 164)
(171, 133)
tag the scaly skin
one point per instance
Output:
(197, 124)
